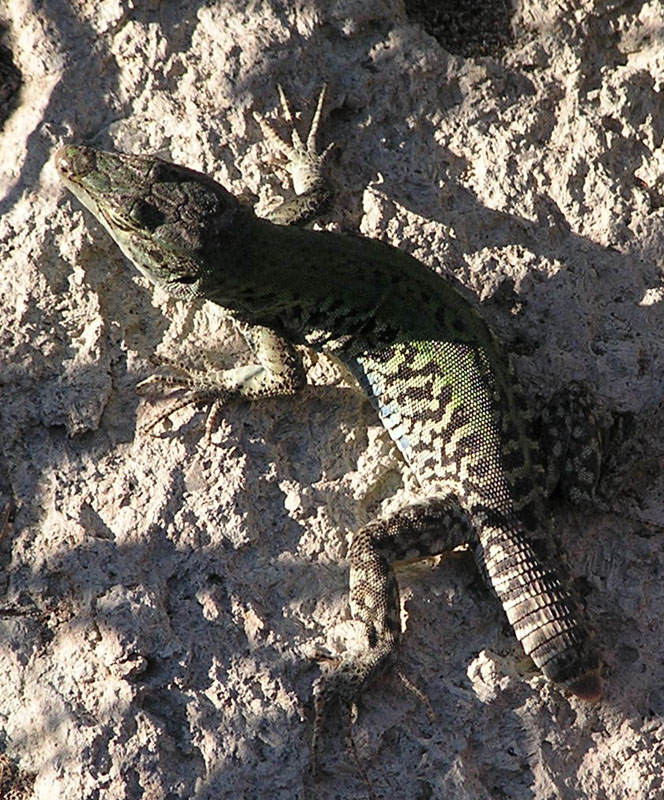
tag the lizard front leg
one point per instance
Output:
(278, 371)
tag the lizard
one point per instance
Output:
(434, 371)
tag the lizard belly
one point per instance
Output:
(438, 401)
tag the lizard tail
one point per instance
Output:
(541, 611)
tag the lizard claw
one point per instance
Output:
(188, 382)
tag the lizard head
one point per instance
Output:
(165, 218)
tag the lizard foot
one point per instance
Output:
(303, 162)
(340, 690)
(190, 387)
(577, 438)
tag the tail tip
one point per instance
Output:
(588, 687)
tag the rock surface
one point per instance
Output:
(163, 597)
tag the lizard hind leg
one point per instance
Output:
(305, 165)
(576, 439)
(425, 528)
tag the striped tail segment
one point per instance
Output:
(541, 611)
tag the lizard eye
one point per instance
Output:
(146, 215)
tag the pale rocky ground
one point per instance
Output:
(163, 597)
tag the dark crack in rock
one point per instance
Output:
(10, 81)
(466, 27)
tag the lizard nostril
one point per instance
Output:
(62, 160)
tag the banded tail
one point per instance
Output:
(541, 611)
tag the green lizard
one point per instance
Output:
(435, 374)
